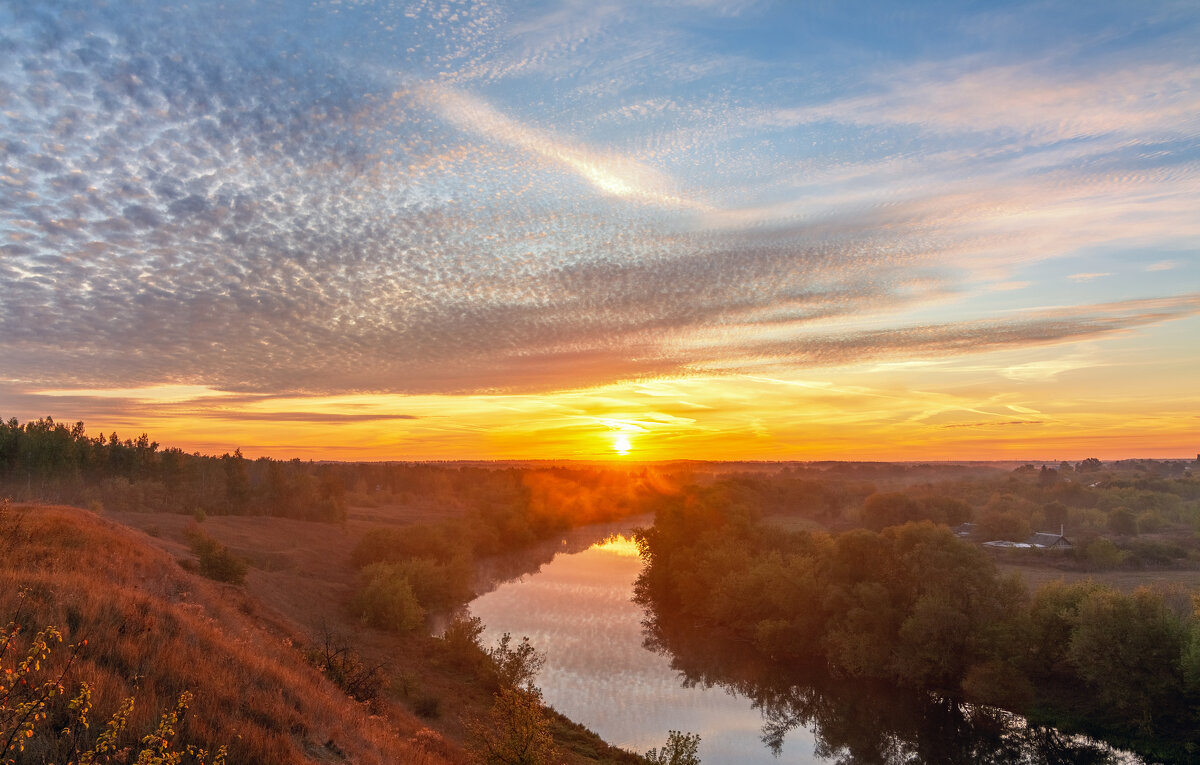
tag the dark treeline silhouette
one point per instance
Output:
(915, 607)
(46, 460)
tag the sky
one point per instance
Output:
(629, 230)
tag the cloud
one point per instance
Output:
(1163, 265)
(1038, 101)
(992, 424)
(429, 204)
(311, 417)
(1034, 328)
(610, 174)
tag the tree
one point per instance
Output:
(1130, 649)
(680, 749)
(1122, 522)
(237, 481)
(516, 666)
(1103, 554)
(386, 600)
(1055, 514)
(889, 509)
(516, 731)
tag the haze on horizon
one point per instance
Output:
(711, 229)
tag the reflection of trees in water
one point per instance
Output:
(856, 722)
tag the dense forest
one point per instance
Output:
(914, 606)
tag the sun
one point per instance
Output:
(621, 444)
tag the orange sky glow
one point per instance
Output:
(705, 229)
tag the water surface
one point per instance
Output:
(578, 611)
(574, 602)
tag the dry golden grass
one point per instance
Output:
(155, 630)
(300, 582)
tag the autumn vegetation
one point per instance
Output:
(186, 608)
(915, 606)
(134, 625)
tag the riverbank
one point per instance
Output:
(302, 578)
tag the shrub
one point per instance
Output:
(1122, 522)
(338, 661)
(517, 730)
(516, 666)
(429, 707)
(29, 686)
(386, 600)
(680, 749)
(461, 640)
(1155, 553)
(1102, 553)
(216, 561)
(1150, 522)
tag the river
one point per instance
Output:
(577, 609)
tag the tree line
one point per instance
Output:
(916, 607)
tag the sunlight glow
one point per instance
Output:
(621, 545)
(621, 444)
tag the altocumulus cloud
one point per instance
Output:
(378, 198)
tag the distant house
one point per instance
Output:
(1004, 544)
(964, 530)
(1046, 540)
(1042, 540)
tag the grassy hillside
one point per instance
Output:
(154, 631)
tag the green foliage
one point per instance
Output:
(386, 600)
(1003, 523)
(916, 607)
(1054, 514)
(1150, 521)
(1052, 617)
(1122, 522)
(515, 732)
(680, 749)
(216, 561)
(50, 461)
(516, 666)
(1129, 649)
(461, 640)
(1190, 663)
(890, 509)
(28, 687)
(438, 586)
(388, 545)
(1101, 553)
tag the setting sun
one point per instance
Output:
(621, 444)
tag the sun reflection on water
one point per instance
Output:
(619, 544)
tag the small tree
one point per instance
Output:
(386, 600)
(516, 731)
(461, 640)
(516, 666)
(216, 561)
(680, 749)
